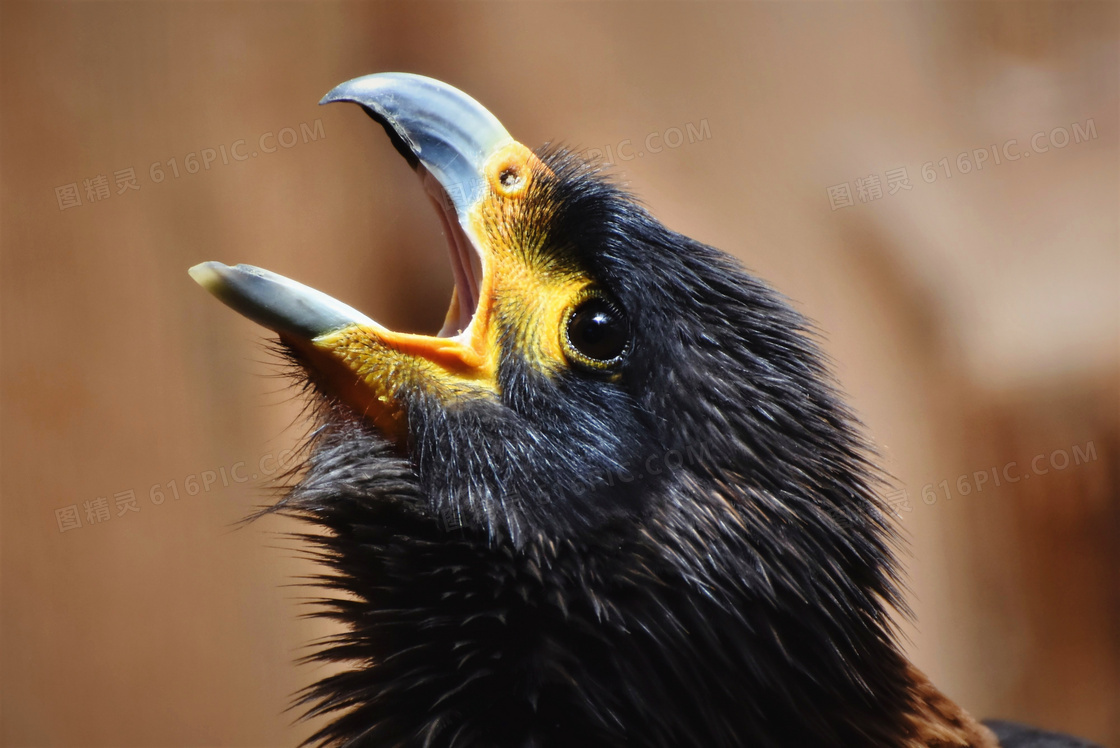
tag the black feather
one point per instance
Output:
(688, 554)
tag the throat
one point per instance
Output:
(471, 642)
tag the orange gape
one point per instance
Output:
(524, 294)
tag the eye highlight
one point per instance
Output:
(596, 333)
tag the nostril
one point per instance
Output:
(510, 177)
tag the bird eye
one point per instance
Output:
(596, 334)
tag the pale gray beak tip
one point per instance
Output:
(278, 303)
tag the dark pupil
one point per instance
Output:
(597, 330)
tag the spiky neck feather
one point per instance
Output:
(627, 637)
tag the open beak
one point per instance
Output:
(470, 166)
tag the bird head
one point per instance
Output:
(619, 468)
(591, 360)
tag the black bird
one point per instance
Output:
(617, 501)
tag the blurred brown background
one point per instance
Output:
(971, 308)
